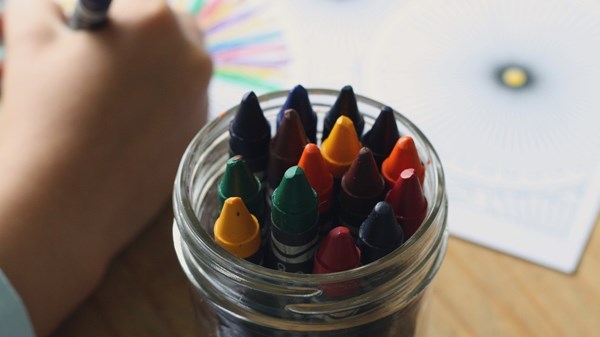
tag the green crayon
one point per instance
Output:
(294, 226)
(239, 181)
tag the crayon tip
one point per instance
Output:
(250, 121)
(318, 175)
(404, 155)
(382, 136)
(408, 201)
(341, 147)
(250, 134)
(294, 203)
(286, 146)
(236, 229)
(379, 234)
(337, 252)
(345, 105)
(362, 180)
(239, 181)
(298, 100)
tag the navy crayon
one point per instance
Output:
(298, 100)
(345, 105)
(250, 135)
(90, 14)
(379, 234)
(383, 135)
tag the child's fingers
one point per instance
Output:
(136, 10)
(190, 28)
(31, 20)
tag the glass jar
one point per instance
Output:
(234, 297)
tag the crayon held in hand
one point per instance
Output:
(286, 147)
(89, 14)
(238, 181)
(383, 135)
(345, 105)
(379, 234)
(250, 135)
(298, 100)
(408, 201)
(361, 188)
(294, 227)
(237, 231)
(321, 181)
(403, 156)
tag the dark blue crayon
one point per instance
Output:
(383, 135)
(379, 234)
(345, 105)
(90, 14)
(298, 100)
(250, 135)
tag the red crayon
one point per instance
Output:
(408, 201)
(403, 156)
(337, 253)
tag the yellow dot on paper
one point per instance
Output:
(514, 77)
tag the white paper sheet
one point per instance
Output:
(523, 166)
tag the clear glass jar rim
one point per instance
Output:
(190, 228)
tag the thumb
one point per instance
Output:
(31, 20)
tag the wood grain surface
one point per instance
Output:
(478, 292)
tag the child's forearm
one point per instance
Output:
(92, 127)
(51, 259)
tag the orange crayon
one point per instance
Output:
(403, 156)
(238, 231)
(321, 181)
(341, 147)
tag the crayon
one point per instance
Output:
(238, 232)
(238, 181)
(286, 147)
(383, 135)
(379, 234)
(345, 105)
(404, 155)
(321, 181)
(361, 188)
(90, 14)
(294, 226)
(337, 253)
(250, 135)
(340, 149)
(298, 100)
(408, 201)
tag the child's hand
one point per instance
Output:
(92, 127)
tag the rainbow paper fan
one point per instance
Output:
(246, 45)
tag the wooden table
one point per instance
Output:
(478, 292)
